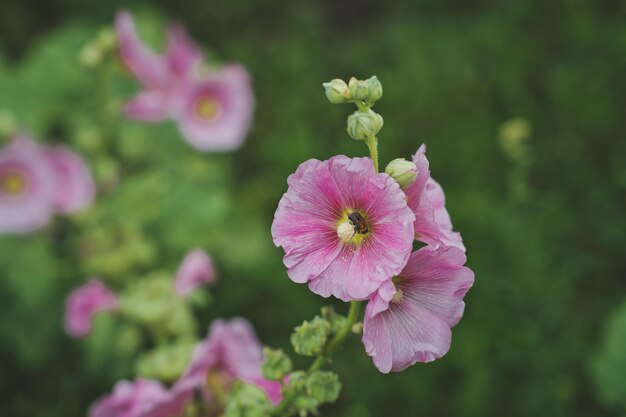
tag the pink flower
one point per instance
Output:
(141, 398)
(27, 187)
(230, 351)
(426, 198)
(74, 185)
(345, 229)
(83, 303)
(195, 270)
(409, 319)
(213, 110)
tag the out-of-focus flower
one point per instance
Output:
(195, 270)
(409, 319)
(83, 303)
(427, 200)
(75, 188)
(513, 136)
(345, 229)
(215, 112)
(213, 109)
(230, 351)
(27, 187)
(140, 398)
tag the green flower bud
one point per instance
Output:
(361, 125)
(310, 337)
(324, 386)
(275, 364)
(247, 400)
(403, 171)
(358, 89)
(336, 91)
(337, 321)
(374, 90)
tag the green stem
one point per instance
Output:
(282, 409)
(372, 144)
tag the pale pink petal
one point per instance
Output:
(230, 92)
(148, 106)
(413, 325)
(305, 225)
(195, 270)
(83, 303)
(75, 188)
(150, 68)
(31, 205)
(183, 55)
(140, 398)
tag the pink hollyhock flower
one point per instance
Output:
(75, 188)
(83, 303)
(195, 270)
(215, 112)
(345, 229)
(141, 398)
(230, 351)
(409, 319)
(426, 198)
(27, 187)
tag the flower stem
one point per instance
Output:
(372, 145)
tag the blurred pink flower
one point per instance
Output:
(195, 270)
(83, 303)
(27, 187)
(409, 319)
(213, 109)
(426, 198)
(75, 188)
(140, 398)
(215, 112)
(345, 229)
(230, 351)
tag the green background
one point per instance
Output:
(542, 333)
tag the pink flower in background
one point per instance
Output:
(75, 188)
(27, 187)
(140, 398)
(230, 351)
(345, 229)
(213, 109)
(215, 112)
(426, 198)
(195, 270)
(83, 303)
(409, 319)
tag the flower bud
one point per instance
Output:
(324, 386)
(309, 338)
(275, 364)
(374, 90)
(358, 89)
(361, 125)
(336, 91)
(403, 171)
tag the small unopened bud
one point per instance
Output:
(403, 171)
(336, 91)
(362, 125)
(275, 364)
(324, 386)
(310, 338)
(358, 89)
(374, 90)
(357, 328)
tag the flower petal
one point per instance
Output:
(75, 188)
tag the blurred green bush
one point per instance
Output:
(548, 259)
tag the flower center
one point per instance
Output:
(353, 227)
(12, 183)
(397, 297)
(207, 107)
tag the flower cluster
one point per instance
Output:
(348, 231)
(38, 181)
(212, 106)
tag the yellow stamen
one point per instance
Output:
(207, 107)
(12, 183)
(397, 297)
(347, 232)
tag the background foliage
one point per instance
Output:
(543, 223)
